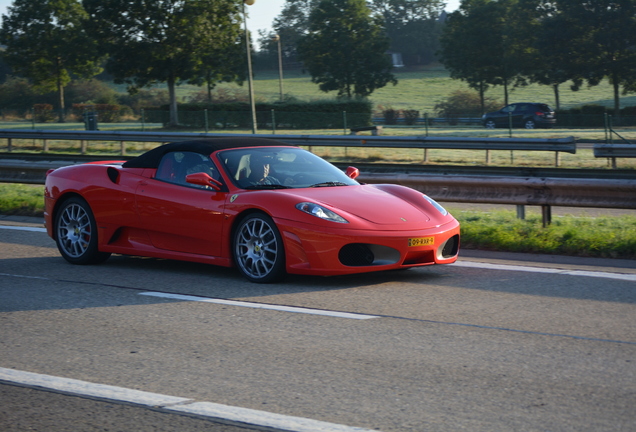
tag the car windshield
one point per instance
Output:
(280, 168)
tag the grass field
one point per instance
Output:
(418, 89)
(421, 89)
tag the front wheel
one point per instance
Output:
(258, 249)
(76, 233)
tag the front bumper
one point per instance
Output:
(313, 251)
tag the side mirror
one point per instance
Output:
(203, 179)
(352, 172)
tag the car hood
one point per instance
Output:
(366, 202)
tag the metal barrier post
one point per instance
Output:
(546, 215)
(122, 148)
(9, 144)
(521, 211)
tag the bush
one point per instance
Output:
(107, 113)
(17, 94)
(43, 113)
(465, 103)
(410, 116)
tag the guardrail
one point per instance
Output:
(556, 145)
(521, 188)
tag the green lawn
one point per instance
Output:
(422, 89)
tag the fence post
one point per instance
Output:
(9, 144)
(509, 124)
(123, 148)
(83, 146)
(344, 117)
(46, 146)
(557, 159)
(143, 120)
(273, 123)
(487, 157)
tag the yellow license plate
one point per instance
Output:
(421, 241)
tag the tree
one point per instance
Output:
(164, 41)
(603, 41)
(484, 44)
(466, 50)
(290, 26)
(46, 42)
(345, 49)
(413, 27)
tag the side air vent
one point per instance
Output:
(451, 247)
(113, 174)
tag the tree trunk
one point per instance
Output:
(555, 88)
(174, 117)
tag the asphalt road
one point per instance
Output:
(497, 342)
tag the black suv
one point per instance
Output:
(527, 115)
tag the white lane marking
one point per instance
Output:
(22, 228)
(275, 421)
(173, 403)
(508, 267)
(261, 306)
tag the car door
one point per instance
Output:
(179, 216)
(509, 112)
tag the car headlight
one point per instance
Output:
(321, 212)
(435, 204)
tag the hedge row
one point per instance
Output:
(594, 116)
(308, 115)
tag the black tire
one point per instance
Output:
(258, 249)
(76, 233)
(490, 124)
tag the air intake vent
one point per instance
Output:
(356, 255)
(451, 247)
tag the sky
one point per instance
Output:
(260, 15)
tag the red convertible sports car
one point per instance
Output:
(263, 206)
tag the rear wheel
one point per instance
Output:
(76, 233)
(490, 124)
(529, 124)
(258, 249)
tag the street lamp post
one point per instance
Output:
(249, 66)
(276, 38)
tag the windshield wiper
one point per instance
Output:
(329, 183)
(267, 186)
